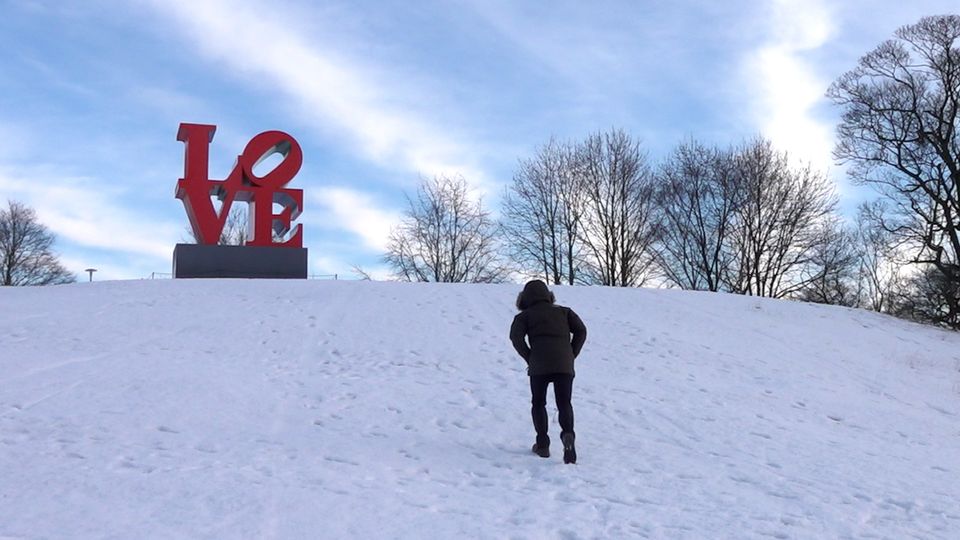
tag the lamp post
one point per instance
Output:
(90, 271)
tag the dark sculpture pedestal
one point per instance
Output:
(204, 261)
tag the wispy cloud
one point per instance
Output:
(555, 36)
(82, 211)
(788, 87)
(344, 95)
(356, 212)
(169, 101)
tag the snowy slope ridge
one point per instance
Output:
(292, 409)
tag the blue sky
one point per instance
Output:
(381, 93)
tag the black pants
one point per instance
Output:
(562, 392)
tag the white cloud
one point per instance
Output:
(356, 212)
(788, 87)
(370, 112)
(88, 214)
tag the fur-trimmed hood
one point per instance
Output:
(534, 292)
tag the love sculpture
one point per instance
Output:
(271, 250)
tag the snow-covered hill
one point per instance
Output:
(293, 409)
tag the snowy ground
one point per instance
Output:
(268, 409)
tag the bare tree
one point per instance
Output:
(777, 222)
(236, 228)
(542, 210)
(927, 299)
(617, 226)
(901, 113)
(880, 279)
(830, 277)
(445, 236)
(697, 197)
(26, 256)
(361, 274)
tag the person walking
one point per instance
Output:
(541, 334)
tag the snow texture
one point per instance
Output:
(293, 409)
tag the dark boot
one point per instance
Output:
(542, 446)
(569, 452)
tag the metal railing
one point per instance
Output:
(168, 275)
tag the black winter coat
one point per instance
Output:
(548, 327)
